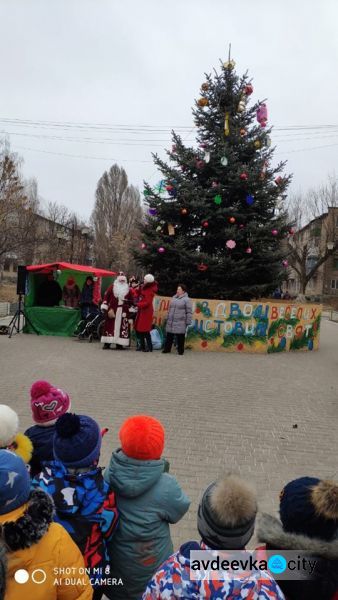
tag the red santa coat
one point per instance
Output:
(144, 319)
(116, 328)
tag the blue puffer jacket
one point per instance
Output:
(148, 500)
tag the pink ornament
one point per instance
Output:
(262, 114)
(278, 180)
(200, 164)
(285, 263)
(161, 250)
(241, 226)
(243, 176)
(215, 184)
(248, 89)
(231, 244)
(274, 231)
(143, 246)
(292, 231)
(248, 250)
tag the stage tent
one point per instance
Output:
(59, 320)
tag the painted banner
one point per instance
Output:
(266, 327)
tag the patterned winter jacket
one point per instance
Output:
(85, 507)
(172, 581)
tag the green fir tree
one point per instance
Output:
(216, 220)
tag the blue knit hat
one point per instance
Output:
(309, 506)
(14, 482)
(77, 440)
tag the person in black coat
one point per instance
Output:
(309, 527)
(49, 292)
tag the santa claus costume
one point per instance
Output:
(116, 304)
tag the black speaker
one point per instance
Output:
(21, 284)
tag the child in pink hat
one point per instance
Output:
(48, 403)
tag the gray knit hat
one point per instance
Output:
(227, 513)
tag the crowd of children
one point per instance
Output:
(69, 530)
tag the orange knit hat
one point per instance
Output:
(142, 437)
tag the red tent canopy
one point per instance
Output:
(64, 265)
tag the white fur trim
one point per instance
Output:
(149, 278)
(9, 425)
(104, 306)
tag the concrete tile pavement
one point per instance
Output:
(222, 412)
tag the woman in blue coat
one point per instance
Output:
(148, 500)
(179, 318)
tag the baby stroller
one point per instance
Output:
(91, 327)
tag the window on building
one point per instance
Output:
(335, 264)
(334, 284)
(337, 221)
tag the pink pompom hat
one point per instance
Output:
(48, 403)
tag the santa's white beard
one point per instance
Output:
(120, 290)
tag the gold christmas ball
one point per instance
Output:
(202, 102)
(257, 144)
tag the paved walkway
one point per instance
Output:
(270, 418)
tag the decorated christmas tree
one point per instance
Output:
(216, 219)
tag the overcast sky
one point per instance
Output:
(141, 62)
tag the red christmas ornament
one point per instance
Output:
(205, 224)
(242, 132)
(243, 176)
(248, 89)
(248, 250)
(184, 211)
(291, 231)
(169, 187)
(278, 180)
(202, 267)
(232, 220)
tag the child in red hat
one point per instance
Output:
(148, 498)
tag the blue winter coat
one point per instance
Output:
(180, 314)
(148, 500)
